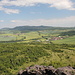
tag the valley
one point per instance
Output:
(21, 48)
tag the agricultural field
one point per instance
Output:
(69, 40)
(29, 36)
(7, 37)
(32, 33)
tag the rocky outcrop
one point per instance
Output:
(47, 70)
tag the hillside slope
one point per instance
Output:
(17, 56)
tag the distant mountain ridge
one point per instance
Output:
(27, 28)
(34, 28)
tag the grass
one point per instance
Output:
(70, 40)
(34, 36)
(7, 37)
(66, 58)
(31, 36)
(56, 55)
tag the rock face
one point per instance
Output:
(47, 70)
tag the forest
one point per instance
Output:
(69, 33)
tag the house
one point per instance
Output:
(57, 38)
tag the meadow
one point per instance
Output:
(29, 36)
(25, 34)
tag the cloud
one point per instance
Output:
(9, 11)
(58, 4)
(64, 4)
(1, 20)
(61, 22)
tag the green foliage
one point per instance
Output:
(69, 33)
(69, 40)
(13, 56)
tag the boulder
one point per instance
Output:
(47, 70)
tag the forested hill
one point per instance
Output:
(37, 28)
(69, 33)
(24, 29)
(32, 28)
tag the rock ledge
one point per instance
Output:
(47, 70)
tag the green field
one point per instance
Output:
(69, 40)
(36, 34)
(25, 37)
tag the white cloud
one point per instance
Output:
(8, 11)
(64, 4)
(59, 4)
(61, 22)
(1, 20)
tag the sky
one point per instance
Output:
(56, 13)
